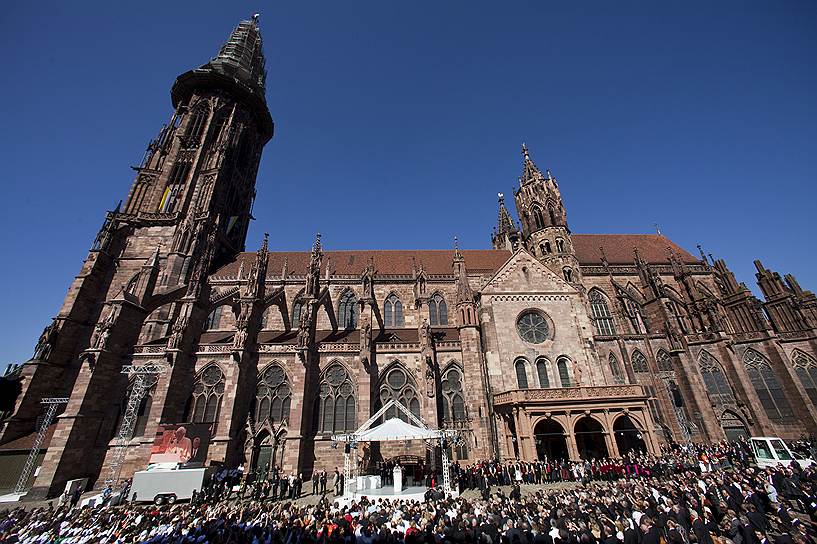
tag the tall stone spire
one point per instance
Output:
(506, 234)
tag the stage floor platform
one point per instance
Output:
(416, 493)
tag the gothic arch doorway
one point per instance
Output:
(549, 438)
(590, 440)
(733, 427)
(628, 437)
(262, 456)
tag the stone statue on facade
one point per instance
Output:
(577, 373)
(177, 332)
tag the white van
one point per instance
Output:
(770, 451)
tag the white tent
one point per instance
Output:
(396, 429)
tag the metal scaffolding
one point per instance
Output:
(144, 378)
(53, 404)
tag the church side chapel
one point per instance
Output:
(548, 345)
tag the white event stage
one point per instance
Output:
(391, 430)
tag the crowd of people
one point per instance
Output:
(706, 494)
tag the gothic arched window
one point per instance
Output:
(615, 369)
(397, 384)
(601, 313)
(542, 372)
(453, 400)
(347, 310)
(336, 401)
(640, 363)
(393, 311)
(273, 395)
(806, 369)
(437, 311)
(634, 315)
(564, 373)
(214, 319)
(521, 374)
(538, 219)
(195, 126)
(664, 361)
(767, 387)
(208, 389)
(297, 308)
(717, 386)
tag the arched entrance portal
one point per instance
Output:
(628, 437)
(590, 439)
(262, 456)
(550, 441)
(733, 427)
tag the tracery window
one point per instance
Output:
(393, 311)
(208, 390)
(437, 310)
(806, 369)
(397, 384)
(453, 400)
(768, 388)
(532, 327)
(521, 374)
(347, 310)
(717, 386)
(273, 395)
(297, 308)
(336, 401)
(195, 126)
(601, 314)
(664, 361)
(615, 369)
(537, 218)
(542, 372)
(214, 319)
(564, 373)
(639, 363)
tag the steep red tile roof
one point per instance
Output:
(653, 248)
(617, 247)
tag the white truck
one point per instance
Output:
(162, 485)
(770, 451)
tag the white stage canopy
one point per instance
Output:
(396, 429)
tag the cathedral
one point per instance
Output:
(551, 344)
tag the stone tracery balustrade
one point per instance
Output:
(568, 393)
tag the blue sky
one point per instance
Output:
(397, 124)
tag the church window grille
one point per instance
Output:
(214, 319)
(532, 327)
(208, 391)
(195, 127)
(393, 311)
(336, 401)
(664, 361)
(273, 395)
(542, 372)
(768, 388)
(521, 374)
(347, 310)
(560, 245)
(437, 311)
(564, 373)
(615, 369)
(568, 274)
(717, 386)
(175, 183)
(601, 314)
(453, 400)
(806, 369)
(398, 385)
(538, 219)
(640, 363)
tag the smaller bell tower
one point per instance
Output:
(545, 233)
